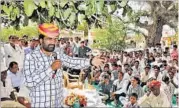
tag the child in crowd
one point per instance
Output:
(133, 101)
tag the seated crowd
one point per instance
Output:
(142, 78)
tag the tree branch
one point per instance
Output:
(135, 30)
(99, 19)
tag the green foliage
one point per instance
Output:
(112, 37)
(83, 27)
(29, 7)
(29, 31)
(67, 13)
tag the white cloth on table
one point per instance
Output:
(93, 98)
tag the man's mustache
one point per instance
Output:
(50, 45)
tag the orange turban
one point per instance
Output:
(49, 30)
(154, 83)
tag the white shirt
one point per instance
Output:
(127, 76)
(20, 57)
(144, 77)
(159, 78)
(16, 79)
(121, 86)
(136, 71)
(2, 55)
(6, 91)
(166, 58)
(153, 101)
(168, 90)
(13, 55)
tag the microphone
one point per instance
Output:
(55, 57)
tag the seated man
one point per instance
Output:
(119, 88)
(155, 97)
(15, 75)
(145, 75)
(105, 88)
(7, 94)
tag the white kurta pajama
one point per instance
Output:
(12, 54)
(45, 91)
(153, 101)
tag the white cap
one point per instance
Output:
(2, 67)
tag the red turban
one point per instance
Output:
(154, 83)
(49, 30)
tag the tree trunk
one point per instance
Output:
(155, 32)
(158, 33)
(151, 32)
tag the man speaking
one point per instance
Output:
(43, 63)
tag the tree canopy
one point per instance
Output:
(96, 13)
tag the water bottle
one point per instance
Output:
(86, 83)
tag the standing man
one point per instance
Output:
(83, 50)
(41, 64)
(32, 46)
(13, 53)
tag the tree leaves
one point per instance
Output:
(80, 17)
(112, 37)
(66, 13)
(6, 10)
(11, 11)
(82, 6)
(72, 19)
(100, 6)
(42, 3)
(29, 7)
(91, 8)
(63, 3)
(123, 3)
(51, 8)
(30, 31)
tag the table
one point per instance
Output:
(93, 98)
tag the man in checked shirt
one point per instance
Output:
(40, 65)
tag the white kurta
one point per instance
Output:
(2, 55)
(144, 77)
(154, 101)
(6, 91)
(12, 54)
(16, 79)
